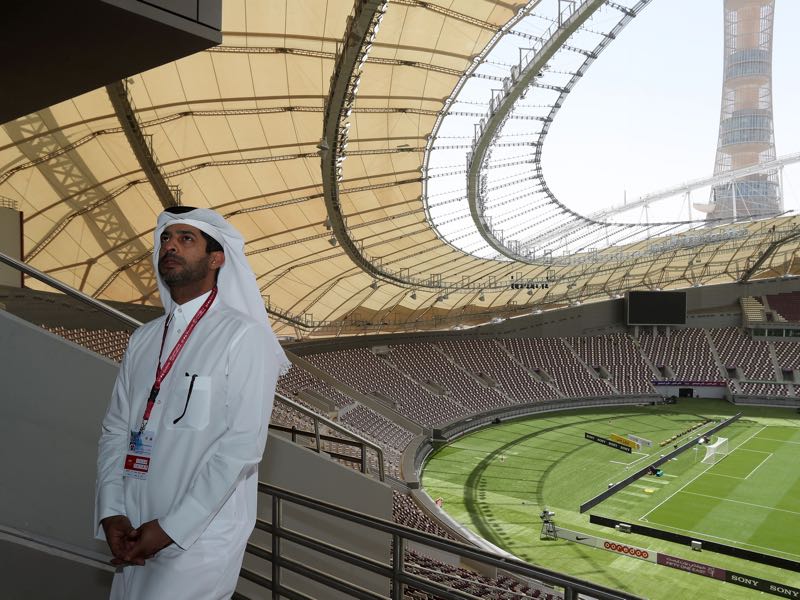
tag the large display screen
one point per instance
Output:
(656, 308)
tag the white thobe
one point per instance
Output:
(202, 480)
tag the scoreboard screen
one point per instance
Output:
(655, 308)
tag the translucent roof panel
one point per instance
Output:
(238, 129)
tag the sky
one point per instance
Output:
(646, 115)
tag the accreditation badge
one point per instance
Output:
(140, 449)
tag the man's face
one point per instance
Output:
(182, 257)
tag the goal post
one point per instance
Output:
(716, 452)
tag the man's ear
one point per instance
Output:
(217, 259)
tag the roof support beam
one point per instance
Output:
(142, 149)
(502, 108)
(339, 104)
(766, 254)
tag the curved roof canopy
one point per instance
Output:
(308, 129)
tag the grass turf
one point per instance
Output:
(498, 480)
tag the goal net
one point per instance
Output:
(716, 452)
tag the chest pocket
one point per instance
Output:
(190, 404)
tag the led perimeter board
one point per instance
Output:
(655, 308)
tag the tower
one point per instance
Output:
(746, 136)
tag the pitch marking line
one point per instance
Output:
(758, 465)
(739, 543)
(728, 476)
(651, 482)
(786, 510)
(637, 494)
(633, 462)
(695, 477)
(782, 441)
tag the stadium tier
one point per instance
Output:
(737, 350)
(627, 369)
(500, 588)
(786, 306)
(431, 384)
(685, 352)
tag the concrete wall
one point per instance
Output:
(52, 398)
(32, 574)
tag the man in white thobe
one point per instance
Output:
(187, 423)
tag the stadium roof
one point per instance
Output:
(257, 129)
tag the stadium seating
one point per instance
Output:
(108, 343)
(788, 354)
(490, 358)
(629, 373)
(738, 350)
(500, 588)
(556, 359)
(367, 373)
(431, 384)
(786, 305)
(763, 389)
(392, 438)
(685, 351)
(424, 363)
(406, 512)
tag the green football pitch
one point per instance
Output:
(498, 480)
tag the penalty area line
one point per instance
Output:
(782, 441)
(738, 543)
(758, 465)
(668, 498)
(633, 462)
(770, 508)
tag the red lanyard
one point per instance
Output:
(163, 370)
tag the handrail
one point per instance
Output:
(365, 443)
(101, 306)
(395, 570)
(69, 291)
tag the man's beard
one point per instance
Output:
(188, 274)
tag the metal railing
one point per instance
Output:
(394, 572)
(131, 322)
(69, 291)
(361, 442)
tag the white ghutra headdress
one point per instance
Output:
(236, 283)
